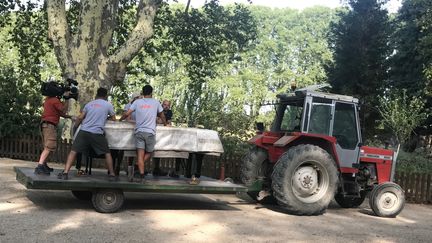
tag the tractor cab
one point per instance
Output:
(322, 114)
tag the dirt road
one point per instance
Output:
(56, 216)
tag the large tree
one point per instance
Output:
(360, 42)
(84, 54)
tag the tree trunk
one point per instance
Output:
(84, 55)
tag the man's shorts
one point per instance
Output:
(145, 140)
(86, 140)
(49, 136)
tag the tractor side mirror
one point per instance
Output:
(260, 127)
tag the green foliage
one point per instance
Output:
(416, 162)
(402, 114)
(22, 65)
(220, 83)
(18, 107)
(411, 65)
(360, 43)
(207, 38)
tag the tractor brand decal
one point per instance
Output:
(375, 156)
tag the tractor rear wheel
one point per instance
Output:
(254, 166)
(387, 199)
(350, 202)
(304, 180)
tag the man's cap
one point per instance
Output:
(136, 94)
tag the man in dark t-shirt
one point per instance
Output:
(166, 106)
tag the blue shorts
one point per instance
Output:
(145, 140)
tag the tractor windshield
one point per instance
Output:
(289, 115)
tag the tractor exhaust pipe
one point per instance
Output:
(393, 170)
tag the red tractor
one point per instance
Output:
(314, 153)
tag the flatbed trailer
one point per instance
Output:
(107, 196)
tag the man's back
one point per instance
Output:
(96, 114)
(146, 110)
(52, 110)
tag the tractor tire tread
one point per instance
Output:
(289, 204)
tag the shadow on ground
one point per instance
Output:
(133, 201)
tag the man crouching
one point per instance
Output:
(91, 135)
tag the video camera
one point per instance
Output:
(56, 89)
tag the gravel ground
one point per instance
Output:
(56, 216)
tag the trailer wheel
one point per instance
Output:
(107, 201)
(387, 199)
(254, 166)
(304, 180)
(82, 195)
(350, 202)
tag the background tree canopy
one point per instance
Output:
(219, 64)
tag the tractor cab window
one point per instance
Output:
(320, 116)
(292, 114)
(345, 126)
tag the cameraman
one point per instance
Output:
(53, 109)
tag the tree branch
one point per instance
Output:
(109, 13)
(142, 31)
(87, 40)
(58, 33)
(187, 7)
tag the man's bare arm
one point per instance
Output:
(125, 115)
(79, 119)
(63, 111)
(162, 117)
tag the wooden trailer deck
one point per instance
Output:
(99, 180)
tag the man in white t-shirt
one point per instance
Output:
(91, 135)
(146, 109)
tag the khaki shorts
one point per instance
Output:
(144, 140)
(49, 136)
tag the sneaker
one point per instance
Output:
(140, 179)
(62, 176)
(113, 178)
(41, 170)
(81, 173)
(194, 180)
(48, 168)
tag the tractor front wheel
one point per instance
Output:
(387, 199)
(304, 180)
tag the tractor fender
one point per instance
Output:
(325, 142)
(264, 140)
(257, 139)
